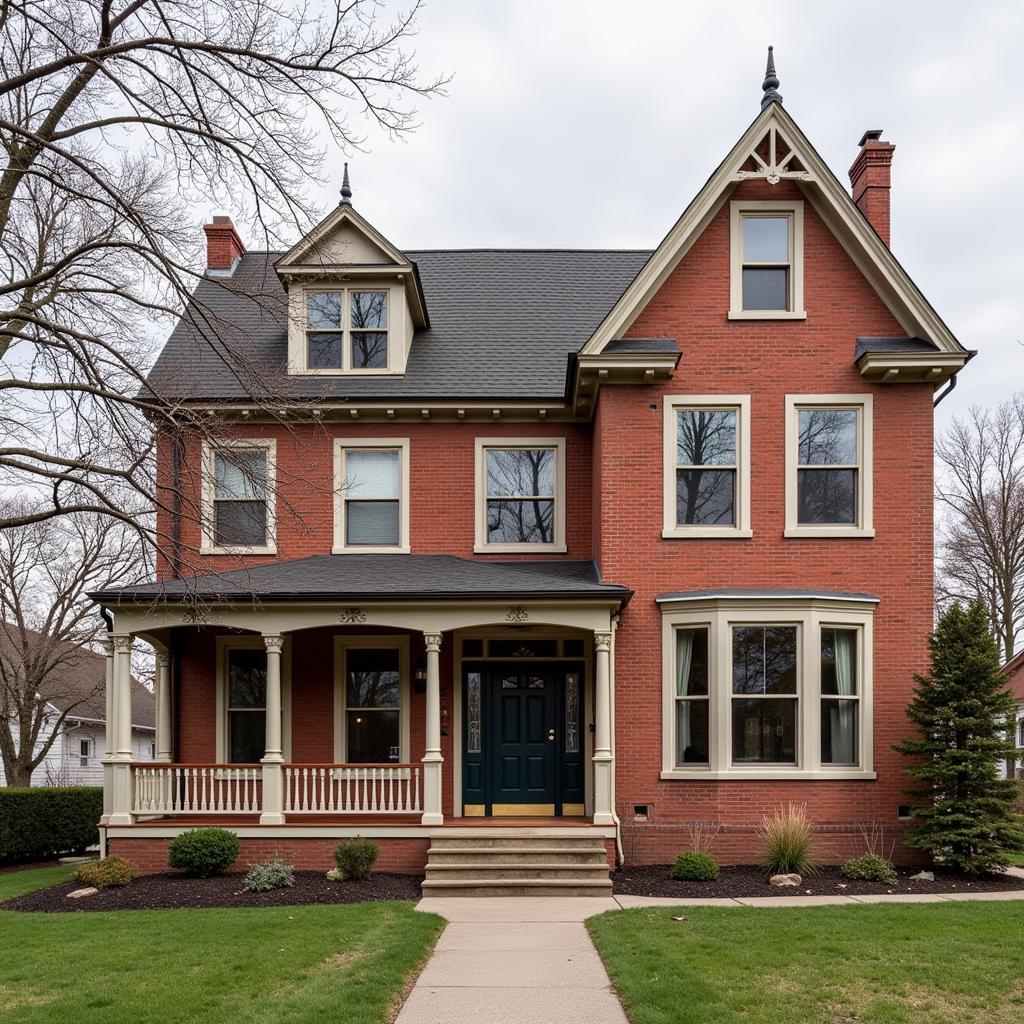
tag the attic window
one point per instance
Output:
(347, 329)
(766, 261)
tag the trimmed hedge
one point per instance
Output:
(43, 822)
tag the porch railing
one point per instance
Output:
(352, 789)
(197, 789)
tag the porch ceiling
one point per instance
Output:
(383, 578)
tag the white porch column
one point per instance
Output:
(121, 766)
(432, 758)
(604, 760)
(163, 707)
(273, 757)
(108, 730)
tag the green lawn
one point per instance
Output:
(281, 965)
(955, 963)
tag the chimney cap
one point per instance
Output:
(770, 85)
(220, 218)
(874, 134)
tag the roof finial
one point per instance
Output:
(346, 189)
(770, 84)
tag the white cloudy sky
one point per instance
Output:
(592, 123)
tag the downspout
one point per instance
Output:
(943, 394)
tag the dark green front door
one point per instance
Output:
(522, 739)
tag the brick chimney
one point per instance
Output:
(870, 180)
(223, 246)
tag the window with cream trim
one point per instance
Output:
(347, 329)
(520, 494)
(766, 260)
(371, 512)
(767, 686)
(239, 496)
(829, 483)
(707, 466)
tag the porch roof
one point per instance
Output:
(381, 577)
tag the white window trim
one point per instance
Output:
(481, 546)
(795, 210)
(209, 547)
(671, 530)
(342, 644)
(809, 615)
(399, 331)
(402, 446)
(226, 643)
(864, 406)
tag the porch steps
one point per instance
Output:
(517, 865)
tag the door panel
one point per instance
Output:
(524, 748)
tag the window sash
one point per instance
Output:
(827, 467)
(347, 333)
(353, 712)
(774, 264)
(510, 494)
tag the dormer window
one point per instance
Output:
(766, 243)
(347, 329)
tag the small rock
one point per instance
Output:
(923, 876)
(77, 894)
(782, 880)
(681, 917)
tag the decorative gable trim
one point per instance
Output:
(774, 148)
(341, 215)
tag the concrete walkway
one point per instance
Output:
(509, 960)
(503, 961)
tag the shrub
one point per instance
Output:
(695, 867)
(273, 874)
(964, 812)
(355, 858)
(787, 837)
(108, 873)
(869, 867)
(39, 823)
(204, 851)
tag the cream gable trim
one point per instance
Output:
(335, 220)
(832, 202)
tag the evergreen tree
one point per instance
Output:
(961, 710)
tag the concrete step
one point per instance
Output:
(520, 887)
(509, 872)
(517, 854)
(445, 842)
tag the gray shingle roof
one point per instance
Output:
(866, 345)
(502, 325)
(644, 345)
(379, 577)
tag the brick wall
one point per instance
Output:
(402, 856)
(765, 360)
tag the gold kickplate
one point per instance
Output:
(523, 810)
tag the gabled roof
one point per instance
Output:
(312, 245)
(78, 682)
(774, 148)
(381, 578)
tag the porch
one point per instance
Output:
(433, 711)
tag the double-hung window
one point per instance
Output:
(766, 686)
(520, 494)
(371, 698)
(372, 495)
(828, 465)
(246, 704)
(347, 329)
(84, 752)
(707, 466)
(766, 241)
(239, 497)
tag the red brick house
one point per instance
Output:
(547, 545)
(1014, 671)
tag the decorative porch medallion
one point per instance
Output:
(517, 614)
(353, 616)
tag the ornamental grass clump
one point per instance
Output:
(787, 837)
(203, 852)
(108, 873)
(355, 859)
(869, 867)
(272, 874)
(695, 867)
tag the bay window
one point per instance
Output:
(767, 685)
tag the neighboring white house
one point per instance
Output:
(75, 759)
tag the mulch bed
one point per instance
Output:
(657, 880)
(174, 891)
